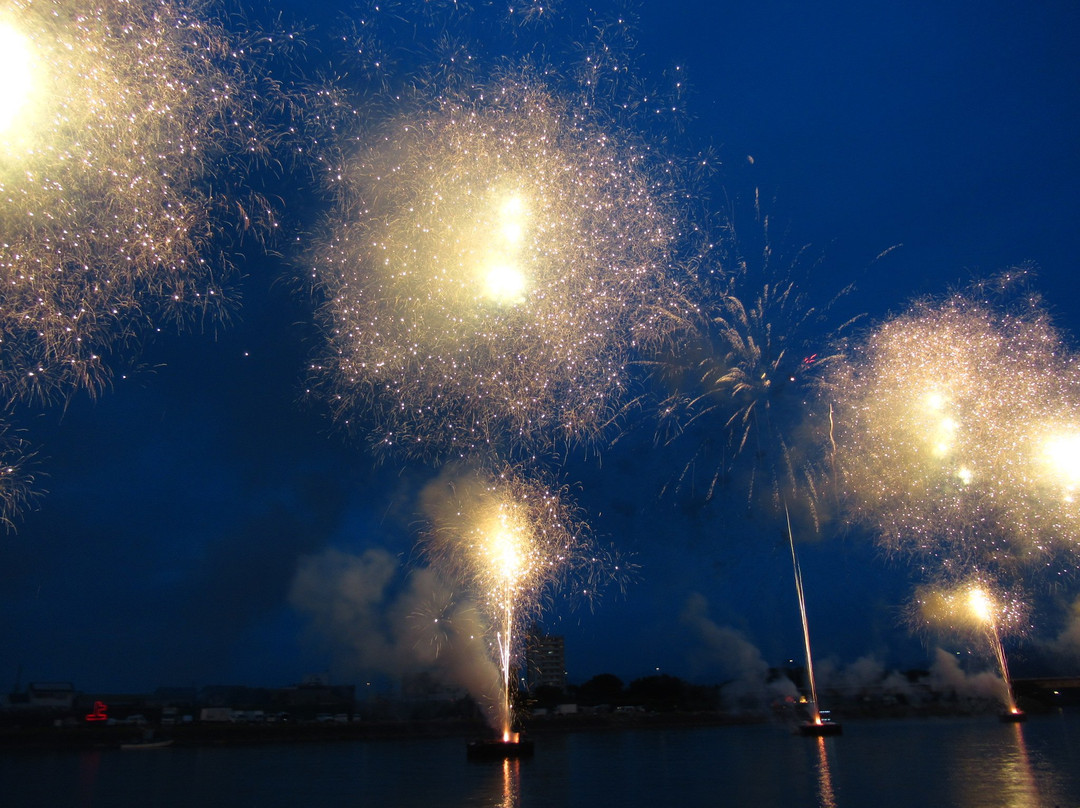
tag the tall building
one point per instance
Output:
(545, 659)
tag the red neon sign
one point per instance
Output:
(99, 712)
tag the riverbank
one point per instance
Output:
(222, 734)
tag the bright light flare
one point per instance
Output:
(17, 69)
(1061, 453)
(513, 219)
(505, 279)
(981, 605)
(505, 283)
(504, 549)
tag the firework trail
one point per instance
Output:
(739, 389)
(511, 542)
(957, 425)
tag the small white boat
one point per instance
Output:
(147, 744)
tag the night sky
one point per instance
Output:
(182, 504)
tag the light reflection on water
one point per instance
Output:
(969, 763)
(511, 778)
(826, 797)
(1020, 787)
(88, 770)
(1001, 769)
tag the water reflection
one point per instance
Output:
(1005, 771)
(511, 783)
(89, 763)
(826, 796)
(1019, 788)
(502, 788)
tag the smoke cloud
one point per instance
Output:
(948, 678)
(866, 676)
(1067, 642)
(379, 620)
(727, 652)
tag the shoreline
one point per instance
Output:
(205, 734)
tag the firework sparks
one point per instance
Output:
(974, 607)
(510, 541)
(496, 256)
(111, 116)
(16, 475)
(737, 388)
(957, 432)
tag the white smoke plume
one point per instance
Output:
(726, 651)
(866, 675)
(379, 621)
(948, 678)
(1067, 643)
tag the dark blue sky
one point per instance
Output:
(180, 502)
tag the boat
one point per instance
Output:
(148, 744)
(821, 728)
(498, 749)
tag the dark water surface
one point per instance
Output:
(915, 763)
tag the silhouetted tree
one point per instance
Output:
(604, 688)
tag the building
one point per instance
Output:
(545, 661)
(51, 695)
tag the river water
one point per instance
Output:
(914, 763)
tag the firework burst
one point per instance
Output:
(16, 475)
(737, 387)
(969, 607)
(114, 113)
(496, 256)
(957, 425)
